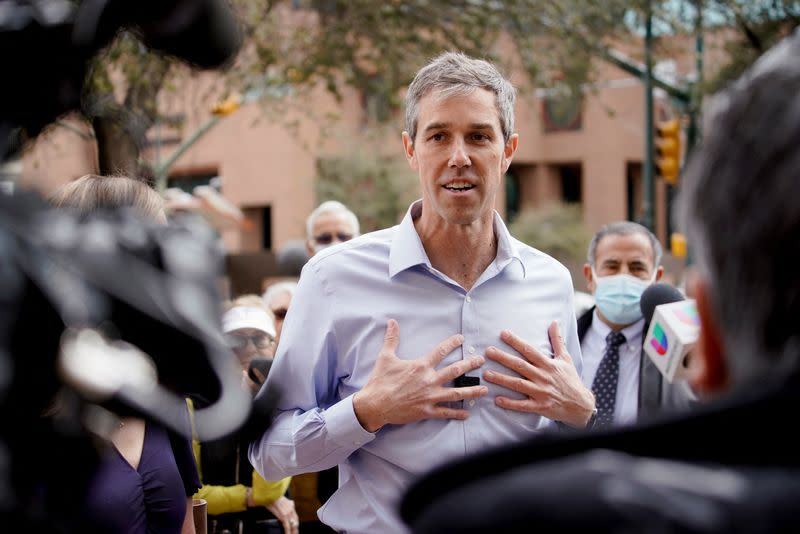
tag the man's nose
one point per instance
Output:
(458, 156)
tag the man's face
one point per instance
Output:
(329, 229)
(279, 305)
(622, 254)
(460, 155)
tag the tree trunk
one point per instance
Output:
(117, 151)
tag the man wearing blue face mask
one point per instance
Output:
(623, 260)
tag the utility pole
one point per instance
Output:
(696, 105)
(648, 196)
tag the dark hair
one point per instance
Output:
(741, 209)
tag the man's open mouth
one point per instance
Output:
(458, 186)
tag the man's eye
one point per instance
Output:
(479, 137)
(437, 137)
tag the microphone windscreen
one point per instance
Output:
(655, 295)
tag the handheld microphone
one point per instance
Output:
(674, 329)
(655, 295)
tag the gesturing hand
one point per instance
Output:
(403, 391)
(552, 385)
(284, 510)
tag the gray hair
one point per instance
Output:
(739, 207)
(332, 206)
(455, 73)
(624, 228)
(277, 289)
(91, 193)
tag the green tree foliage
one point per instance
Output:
(378, 187)
(760, 24)
(377, 46)
(556, 229)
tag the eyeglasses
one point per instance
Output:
(239, 341)
(280, 313)
(327, 237)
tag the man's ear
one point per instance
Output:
(310, 248)
(408, 149)
(711, 373)
(659, 272)
(587, 273)
(509, 150)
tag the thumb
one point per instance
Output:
(391, 339)
(557, 342)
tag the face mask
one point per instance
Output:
(618, 297)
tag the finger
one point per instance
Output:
(391, 339)
(557, 342)
(459, 394)
(442, 412)
(514, 383)
(528, 351)
(454, 370)
(516, 364)
(518, 405)
(259, 375)
(444, 348)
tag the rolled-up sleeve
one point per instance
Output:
(313, 430)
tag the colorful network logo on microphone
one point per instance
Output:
(659, 340)
(687, 315)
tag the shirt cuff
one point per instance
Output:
(343, 426)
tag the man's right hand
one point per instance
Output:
(403, 391)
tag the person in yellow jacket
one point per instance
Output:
(236, 494)
(239, 499)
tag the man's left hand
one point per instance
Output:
(551, 385)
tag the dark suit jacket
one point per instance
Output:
(728, 466)
(656, 395)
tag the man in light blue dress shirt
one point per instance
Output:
(439, 337)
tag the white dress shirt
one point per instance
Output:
(593, 346)
(334, 331)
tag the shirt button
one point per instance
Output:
(471, 350)
(472, 402)
(468, 299)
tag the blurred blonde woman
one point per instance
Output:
(145, 483)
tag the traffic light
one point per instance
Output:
(677, 245)
(668, 150)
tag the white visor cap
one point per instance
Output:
(247, 317)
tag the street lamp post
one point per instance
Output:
(648, 196)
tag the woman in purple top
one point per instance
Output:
(145, 482)
(152, 495)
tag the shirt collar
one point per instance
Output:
(407, 250)
(631, 332)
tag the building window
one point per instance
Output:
(375, 100)
(512, 195)
(634, 190)
(261, 238)
(571, 178)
